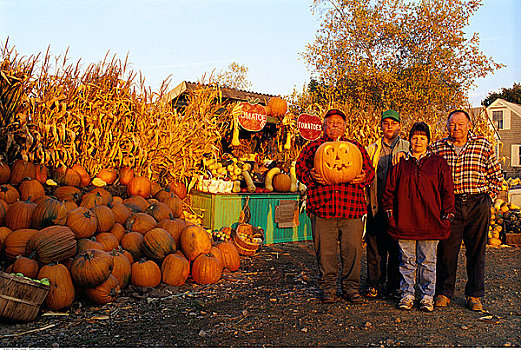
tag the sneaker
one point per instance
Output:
(406, 303)
(426, 305)
(474, 304)
(372, 292)
(442, 301)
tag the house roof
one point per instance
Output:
(502, 103)
(234, 94)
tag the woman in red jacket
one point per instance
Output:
(419, 204)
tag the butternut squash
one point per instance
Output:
(268, 182)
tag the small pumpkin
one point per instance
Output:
(106, 196)
(49, 212)
(195, 240)
(178, 188)
(140, 222)
(126, 174)
(133, 243)
(159, 211)
(206, 269)
(277, 107)
(84, 244)
(122, 267)
(62, 292)
(82, 222)
(118, 231)
(20, 170)
(107, 240)
(338, 161)
(231, 258)
(136, 202)
(104, 293)
(175, 270)
(84, 175)
(41, 173)
(91, 267)
(9, 194)
(139, 186)
(27, 266)
(105, 216)
(175, 204)
(107, 175)
(145, 273)
(154, 188)
(281, 183)
(121, 212)
(158, 243)
(66, 176)
(68, 193)
(31, 190)
(90, 200)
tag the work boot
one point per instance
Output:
(474, 304)
(406, 302)
(442, 301)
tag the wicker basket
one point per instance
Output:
(20, 298)
(243, 247)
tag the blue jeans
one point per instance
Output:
(417, 260)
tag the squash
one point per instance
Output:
(246, 175)
(268, 181)
(338, 161)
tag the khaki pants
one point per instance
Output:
(327, 234)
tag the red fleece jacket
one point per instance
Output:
(419, 193)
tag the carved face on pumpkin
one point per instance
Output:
(338, 161)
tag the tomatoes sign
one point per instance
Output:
(309, 126)
(252, 117)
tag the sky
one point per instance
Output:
(186, 39)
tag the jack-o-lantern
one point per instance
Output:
(338, 162)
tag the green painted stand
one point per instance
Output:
(220, 210)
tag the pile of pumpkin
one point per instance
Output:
(87, 241)
(504, 216)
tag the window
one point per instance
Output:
(497, 117)
(515, 155)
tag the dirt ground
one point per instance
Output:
(272, 301)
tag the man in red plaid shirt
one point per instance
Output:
(336, 214)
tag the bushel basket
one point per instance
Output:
(20, 298)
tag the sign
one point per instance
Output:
(287, 213)
(252, 117)
(309, 126)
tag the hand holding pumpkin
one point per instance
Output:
(317, 177)
(360, 178)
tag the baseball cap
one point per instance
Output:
(391, 114)
(333, 112)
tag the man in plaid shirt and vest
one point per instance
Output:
(477, 180)
(336, 214)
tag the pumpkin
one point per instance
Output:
(195, 240)
(62, 292)
(121, 212)
(53, 243)
(49, 212)
(41, 173)
(122, 267)
(133, 243)
(179, 189)
(84, 244)
(145, 273)
(159, 211)
(206, 269)
(91, 267)
(163, 194)
(107, 175)
(139, 186)
(4, 232)
(338, 161)
(66, 176)
(82, 222)
(175, 204)
(231, 258)
(154, 188)
(90, 200)
(140, 222)
(175, 270)
(20, 170)
(118, 231)
(125, 175)
(5, 173)
(107, 240)
(16, 242)
(117, 199)
(84, 175)
(281, 183)
(136, 202)
(174, 227)
(105, 216)
(3, 211)
(30, 190)
(106, 196)
(27, 266)
(127, 254)
(68, 193)
(19, 215)
(9, 194)
(158, 243)
(104, 293)
(217, 253)
(277, 107)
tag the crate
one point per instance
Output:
(513, 239)
(20, 298)
(220, 210)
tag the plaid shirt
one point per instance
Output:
(343, 200)
(476, 169)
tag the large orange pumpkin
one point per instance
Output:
(231, 258)
(179, 189)
(159, 211)
(90, 200)
(174, 227)
(105, 292)
(20, 170)
(158, 243)
(91, 267)
(106, 196)
(84, 175)
(175, 270)
(82, 222)
(136, 203)
(133, 243)
(53, 243)
(19, 215)
(206, 269)
(66, 176)
(139, 186)
(122, 267)
(140, 222)
(105, 216)
(68, 193)
(62, 291)
(31, 190)
(16, 242)
(145, 273)
(49, 212)
(195, 240)
(41, 173)
(277, 107)
(107, 175)
(281, 183)
(107, 240)
(338, 161)
(9, 194)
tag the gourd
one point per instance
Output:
(236, 186)
(287, 145)
(268, 181)
(293, 178)
(338, 161)
(246, 175)
(235, 136)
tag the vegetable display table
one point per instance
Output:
(277, 213)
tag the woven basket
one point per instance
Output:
(20, 298)
(243, 247)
